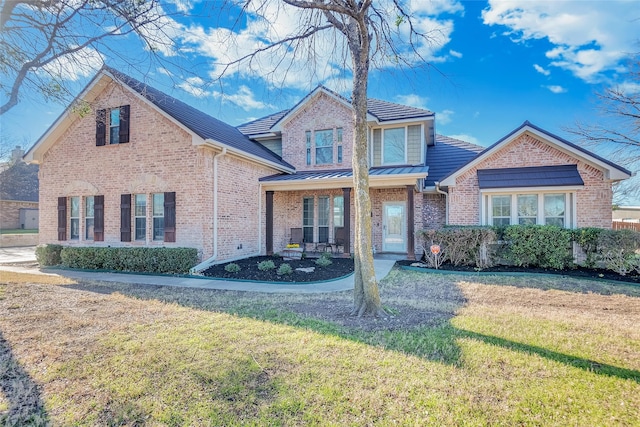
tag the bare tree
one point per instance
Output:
(620, 137)
(383, 33)
(43, 42)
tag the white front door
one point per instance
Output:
(394, 224)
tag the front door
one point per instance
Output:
(394, 227)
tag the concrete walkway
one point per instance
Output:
(14, 256)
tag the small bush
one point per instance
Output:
(587, 238)
(544, 246)
(284, 269)
(232, 268)
(148, 260)
(324, 260)
(460, 245)
(266, 265)
(617, 250)
(48, 255)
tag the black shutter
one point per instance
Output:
(124, 124)
(125, 217)
(101, 127)
(62, 218)
(170, 217)
(98, 218)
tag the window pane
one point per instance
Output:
(307, 219)
(554, 209)
(141, 228)
(527, 209)
(89, 229)
(75, 228)
(393, 150)
(158, 204)
(324, 147)
(338, 211)
(75, 207)
(158, 228)
(141, 205)
(89, 207)
(114, 126)
(323, 219)
(158, 216)
(501, 210)
(339, 153)
(339, 136)
(308, 145)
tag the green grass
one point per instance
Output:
(492, 354)
(19, 231)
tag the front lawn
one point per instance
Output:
(459, 351)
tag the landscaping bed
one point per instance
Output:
(339, 267)
(578, 272)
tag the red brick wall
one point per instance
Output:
(593, 200)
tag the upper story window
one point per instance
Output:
(308, 146)
(394, 146)
(115, 123)
(324, 147)
(399, 145)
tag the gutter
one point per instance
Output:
(446, 202)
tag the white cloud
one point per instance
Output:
(590, 37)
(445, 116)
(629, 88)
(83, 63)
(455, 54)
(467, 138)
(541, 70)
(243, 97)
(412, 100)
(556, 88)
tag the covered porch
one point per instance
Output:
(316, 210)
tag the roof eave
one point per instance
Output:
(375, 181)
(243, 154)
(399, 121)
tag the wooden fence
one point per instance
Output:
(619, 225)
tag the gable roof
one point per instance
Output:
(614, 171)
(198, 123)
(447, 155)
(378, 110)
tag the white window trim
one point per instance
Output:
(571, 217)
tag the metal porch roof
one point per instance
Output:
(540, 176)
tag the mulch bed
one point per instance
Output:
(249, 270)
(578, 272)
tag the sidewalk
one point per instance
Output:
(12, 256)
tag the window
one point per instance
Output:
(394, 146)
(323, 219)
(554, 209)
(89, 217)
(527, 209)
(158, 216)
(118, 125)
(75, 218)
(339, 138)
(338, 211)
(307, 219)
(501, 210)
(324, 147)
(140, 215)
(308, 145)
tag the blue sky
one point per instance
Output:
(493, 65)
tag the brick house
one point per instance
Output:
(140, 168)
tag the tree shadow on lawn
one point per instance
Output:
(420, 323)
(25, 406)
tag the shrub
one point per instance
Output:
(587, 238)
(617, 250)
(284, 269)
(48, 255)
(232, 268)
(460, 245)
(266, 265)
(544, 246)
(149, 260)
(324, 260)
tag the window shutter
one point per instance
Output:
(101, 127)
(170, 217)
(125, 217)
(124, 124)
(62, 218)
(98, 218)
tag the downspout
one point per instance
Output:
(260, 218)
(207, 263)
(446, 202)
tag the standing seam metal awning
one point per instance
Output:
(539, 176)
(346, 173)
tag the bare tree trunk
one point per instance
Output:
(366, 295)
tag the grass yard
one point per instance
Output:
(496, 351)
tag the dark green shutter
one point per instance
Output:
(98, 218)
(124, 124)
(125, 217)
(62, 218)
(101, 127)
(170, 217)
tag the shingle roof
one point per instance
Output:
(344, 173)
(447, 155)
(202, 124)
(382, 110)
(537, 176)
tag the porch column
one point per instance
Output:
(346, 195)
(269, 223)
(411, 252)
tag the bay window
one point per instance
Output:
(528, 208)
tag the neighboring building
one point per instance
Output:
(18, 193)
(148, 170)
(626, 213)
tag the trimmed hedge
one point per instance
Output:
(48, 255)
(139, 260)
(461, 245)
(545, 246)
